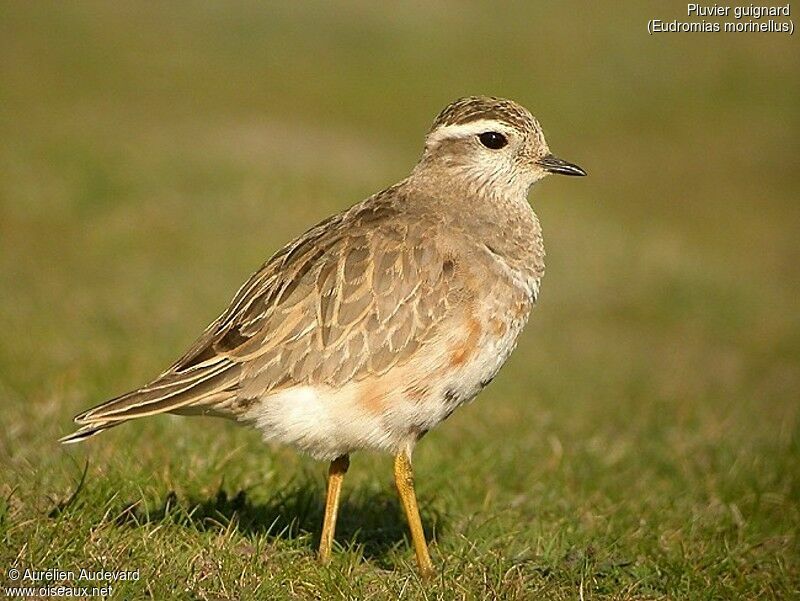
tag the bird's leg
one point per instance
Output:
(336, 474)
(404, 479)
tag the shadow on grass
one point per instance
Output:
(371, 520)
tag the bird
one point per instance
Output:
(373, 326)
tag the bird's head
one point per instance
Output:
(491, 143)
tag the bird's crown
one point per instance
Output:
(474, 114)
(485, 108)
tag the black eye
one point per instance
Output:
(493, 140)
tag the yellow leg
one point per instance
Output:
(404, 479)
(336, 474)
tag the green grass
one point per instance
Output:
(642, 442)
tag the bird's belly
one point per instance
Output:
(323, 422)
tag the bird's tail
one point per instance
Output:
(85, 432)
(206, 384)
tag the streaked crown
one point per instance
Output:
(474, 114)
(475, 108)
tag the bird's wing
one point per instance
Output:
(354, 296)
(348, 300)
(364, 305)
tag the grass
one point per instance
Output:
(642, 442)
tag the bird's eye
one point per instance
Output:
(493, 140)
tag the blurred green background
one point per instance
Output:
(641, 443)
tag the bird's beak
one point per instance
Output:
(555, 165)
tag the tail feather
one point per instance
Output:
(167, 393)
(86, 432)
(170, 392)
